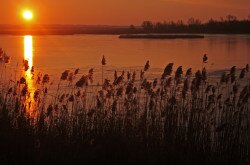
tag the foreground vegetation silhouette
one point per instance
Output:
(176, 118)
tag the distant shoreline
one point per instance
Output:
(101, 30)
(121, 35)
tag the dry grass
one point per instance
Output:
(175, 115)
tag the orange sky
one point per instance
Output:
(119, 12)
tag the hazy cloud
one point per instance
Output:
(122, 12)
(240, 4)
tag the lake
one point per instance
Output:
(54, 53)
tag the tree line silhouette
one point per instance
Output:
(227, 25)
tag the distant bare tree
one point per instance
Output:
(180, 23)
(147, 26)
(231, 18)
(193, 21)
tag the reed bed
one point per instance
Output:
(179, 116)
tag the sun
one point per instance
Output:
(27, 15)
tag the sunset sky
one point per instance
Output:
(119, 12)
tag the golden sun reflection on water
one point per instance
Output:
(28, 55)
(28, 50)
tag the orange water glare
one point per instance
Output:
(28, 55)
(28, 50)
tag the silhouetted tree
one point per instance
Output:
(231, 18)
(193, 21)
(147, 26)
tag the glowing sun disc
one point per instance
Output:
(28, 15)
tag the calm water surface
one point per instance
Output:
(53, 53)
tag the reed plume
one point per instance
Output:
(147, 66)
(168, 70)
(205, 58)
